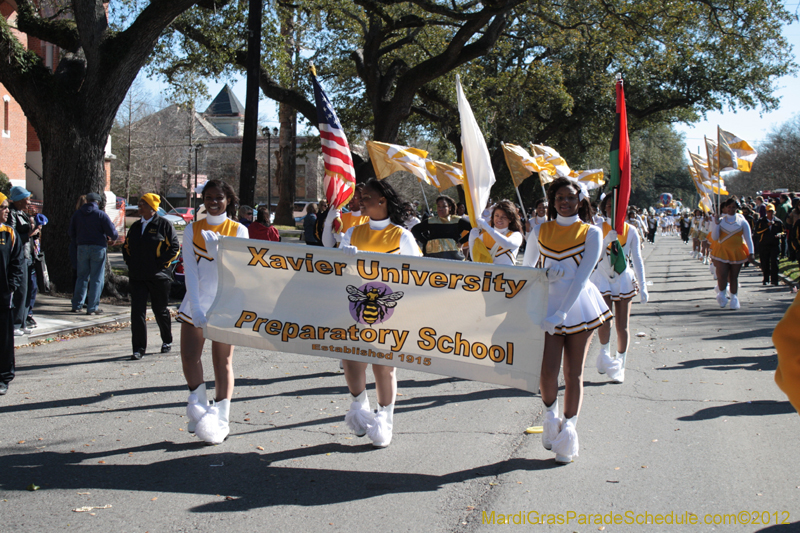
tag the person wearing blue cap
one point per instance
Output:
(38, 271)
(18, 219)
(90, 229)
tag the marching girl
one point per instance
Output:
(383, 233)
(539, 215)
(704, 229)
(333, 230)
(502, 236)
(734, 245)
(619, 289)
(200, 243)
(694, 232)
(571, 246)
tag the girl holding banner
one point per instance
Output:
(200, 244)
(383, 233)
(619, 289)
(734, 245)
(571, 247)
(502, 236)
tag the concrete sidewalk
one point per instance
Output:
(54, 317)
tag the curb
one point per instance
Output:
(112, 319)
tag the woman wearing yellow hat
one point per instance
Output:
(150, 248)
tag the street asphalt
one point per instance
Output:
(699, 431)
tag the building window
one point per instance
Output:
(48, 56)
(6, 130)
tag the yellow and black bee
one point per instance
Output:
(371, 305)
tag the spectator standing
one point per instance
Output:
(768, 234)
(19, 220)
(150, 248)
(782, 212)
(11, 274)
(262, 228)
(310, 225)
(90, 229)
(245, 215)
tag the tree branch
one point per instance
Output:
(61, 32)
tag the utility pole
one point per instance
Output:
(249, 166)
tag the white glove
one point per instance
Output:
(550, 323)
(349, 250)
(555, 272)
(483, 223)
(644, 296)
(199, 319)
(332, 215)
(212, 242)
(610, 237)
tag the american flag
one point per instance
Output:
(340, 177)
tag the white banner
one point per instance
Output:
(450, 318)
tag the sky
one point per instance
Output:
(752, 125)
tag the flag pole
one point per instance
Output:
(522, 205)
(424, 195)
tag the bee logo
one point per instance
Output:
(373, 302)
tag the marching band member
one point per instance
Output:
(442, 235)
(571, 247)
(200, 245)
(704, 229)
(336, 225)
(383, 233)
(619, 288)
(733, 245)
(539, 215)
(694, 233)
(502, 236)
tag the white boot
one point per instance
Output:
(603, 358)
(197, 406)
(380, 430)
(551, 426)
(213, 427)
(360, 416)
(705, 260)
(735, 302)
(566, 444)
(616, 370)
(722, 298)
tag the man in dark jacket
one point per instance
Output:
(769, 231)
(10, 278)
(150, 248)
(90, 229)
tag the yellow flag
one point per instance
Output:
(591, 178)
(521, 164)
(735, 153)
(448, 175)
(390, 158)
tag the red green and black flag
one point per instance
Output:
(620, 179)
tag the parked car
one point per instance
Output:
(132, 215)
(187, 213)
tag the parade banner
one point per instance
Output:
(452, 318)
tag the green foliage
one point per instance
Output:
(776, 165)
(5, 183)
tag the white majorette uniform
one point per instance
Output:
(576, 247)
(199, 266)
(733, 240)
(608, 282)
(503, 247)
(385, 237)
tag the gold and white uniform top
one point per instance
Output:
(733, 239)
(200, 268)
(330, 238)
(383, 237)
(503, 245)
(575, 246)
